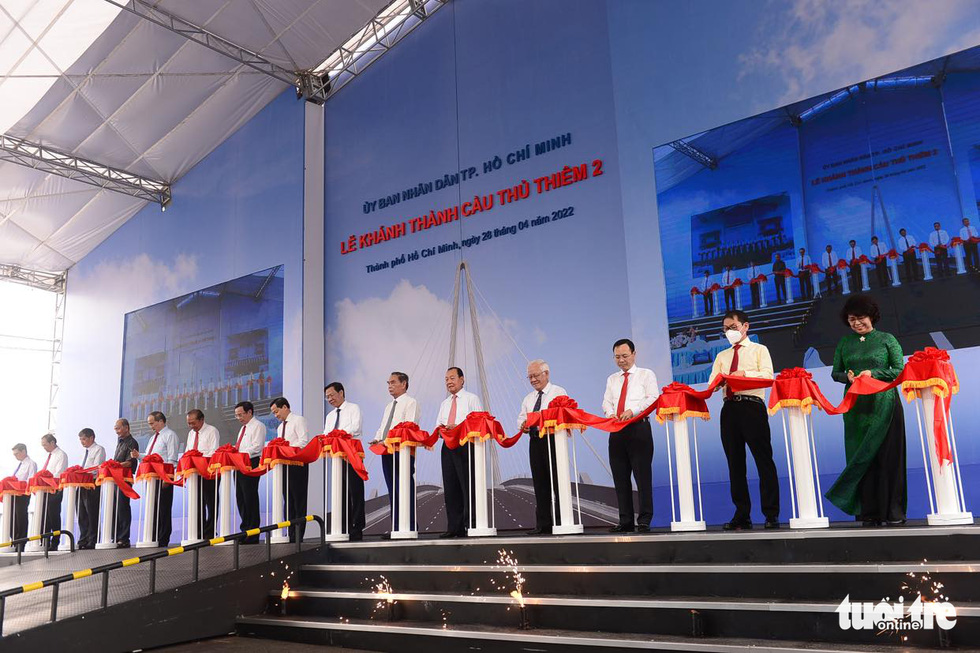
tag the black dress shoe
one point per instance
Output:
(642, 528)
(621, 528)
(895, 522)
(538, 531)
(355, 537)
(122, 545)
(386, 536)
(772, 524)
(447, 535)
(737, 525)
(870, 523)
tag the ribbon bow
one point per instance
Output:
(341, 444)
(12, 486)
(77, 476)
(112, 470)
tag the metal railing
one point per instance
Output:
(35, 538)
(195, 548)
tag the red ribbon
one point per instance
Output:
(924, 247)
(696, 291)
(112, 470)
(841, 264)
(77, 476)
(760, 279)
(892, 254)
(563, 413)
(43, 481)
(194, 462)
(342, 444)
(152, 467)
(407, 434)
(479, 425)
(227, 456)
(863, 259)
(12, 486)
(280, 452)
(956, 240)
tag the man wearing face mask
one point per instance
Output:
(744, 421)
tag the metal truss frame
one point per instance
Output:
(696, 154)
(55, 282)
(40, 157)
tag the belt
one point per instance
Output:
(746, 398)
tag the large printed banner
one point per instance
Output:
(869, 189)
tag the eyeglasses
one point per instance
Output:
(532, 377)
(731, 327)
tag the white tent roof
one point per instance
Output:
(106, 85)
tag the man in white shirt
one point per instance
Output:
(853, 254)
(804, 274)
(455, 462)
(879, 255)
(706, 296)
(346, 416)
(828, 261)
(88, 498)
(55, 462)
(204, 438)
(939, 242)
(165, 443)
(26, 468)
(541, 450)
(752, 271)
(293, 429)
(970, 250)
(907, 246)
(250, 441)
(401, 408)
(727, 279)
(745, 421)
(629, 392)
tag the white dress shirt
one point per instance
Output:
(641, 391)
(253, 440)
(165, 443)
(853, 253)
(829, 259)
(406, 410)
(877, 250)
(55, 462)
(294, 430)
(907, 241)
(92, 456)
(350, 419)
(24, 469)
(466, 403)
(753, 359)
(938, 238)
(752, 271)
(705, 284)
(803, 262)
(728, 278)
(207, 440)
(527, 406)
(966, 233)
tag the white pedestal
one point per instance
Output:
(864, 278)
(694, 305)
(478, 502)
(738, 297)
(278, 511)
(762, 294)
(893, 266)
(226, 524)
(845, 281)
(958, 254)
(947, 502)
(192, 516)
(568, 524)
(148, 508)
(107, 516)
(68, 524)
(35, 521)
(789, 290)
(805, 492)
(7, 522)
(926, 267)
(404, 496)
(717, 302)
(338, 529)
(680, 461)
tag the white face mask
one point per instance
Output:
(734, 337)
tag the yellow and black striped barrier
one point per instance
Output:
(150, 557)
(34, 538)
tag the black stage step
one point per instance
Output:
(677, 591)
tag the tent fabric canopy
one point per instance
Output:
(137, 97)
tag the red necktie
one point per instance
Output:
(153, 443)
(452, 413)
(240, 436)
(734, 368)
(46, 463)
(621, 407)
(197, 436)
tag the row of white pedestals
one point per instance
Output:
(944, 483)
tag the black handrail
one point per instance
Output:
(151, 558)
(35, 538)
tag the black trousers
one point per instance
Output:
(631, 453)
(545, 480)
(855, 277)
(756, 302)
(971, 256)
(780, 282)
(20, 517)
(455, 487)
(942, 262)
(833, 282)
(881, 270)
(298, 479)
(709, 303)
(247, 497)
(208, 488)
(88, 517)
(729, 299)
(910, 263)
(746, 423)
(52, 516)
(387, 467)
(124, 519)
(353, 502)
(806, 285)
(164, 514)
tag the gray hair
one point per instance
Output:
(49, 437)
(539, 362)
